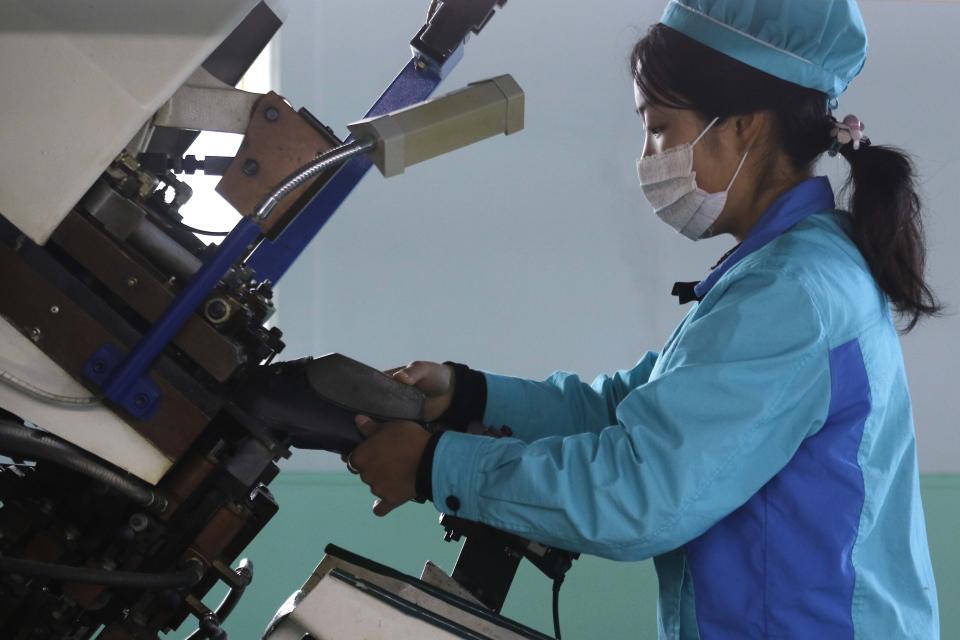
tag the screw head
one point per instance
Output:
(250, 167)
(54, 310)
(272, 114)
(138, 522)
(132, 281)
(36, 334)
(141, 400)
(99, 366)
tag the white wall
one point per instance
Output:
(537, 252)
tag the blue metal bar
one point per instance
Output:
(272, 258)
(162, 332)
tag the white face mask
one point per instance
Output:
(670, 185)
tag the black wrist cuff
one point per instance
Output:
(469, 397)
(424, 480)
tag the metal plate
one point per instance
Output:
(277, 142)
(71, 335)
(145, 293)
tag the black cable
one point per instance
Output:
(556, 606)
(210, 623)
(87, 575)
(245, 573)
(19, 439)
(203, 232)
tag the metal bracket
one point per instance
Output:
(140, 399)
(204, 103)
(448, 27)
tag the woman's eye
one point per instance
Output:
(654, 132)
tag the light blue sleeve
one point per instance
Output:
(562, 404)
(746, 383)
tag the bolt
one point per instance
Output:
(139, 522)
(99, 366)
(54, 310)
(141, 400)
(36, 334)
(251, 167)
(71, 534)
(132, 281)
(421, 64)
(108, 565)
(271, 114)
(217, 310)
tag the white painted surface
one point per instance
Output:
(536, 252)
(79, 80)
(94, 428)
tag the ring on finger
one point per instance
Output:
(352, 469)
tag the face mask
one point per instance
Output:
(670, 186)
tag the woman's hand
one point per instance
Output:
(387, 461)
(435, 380)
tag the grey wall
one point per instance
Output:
(537, 252)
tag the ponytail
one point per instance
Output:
(888, 228)
(674, 70)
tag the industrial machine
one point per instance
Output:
(141, 407)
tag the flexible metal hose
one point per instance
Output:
(18, 439)
(32, 390)
(332, 158)
(87, 575)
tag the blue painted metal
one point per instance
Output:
(119, 386)
(272, 258)
(143, 397)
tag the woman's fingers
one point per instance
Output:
(382, 507)
(366, 426)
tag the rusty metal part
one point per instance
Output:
(184, 479)
(220, 532)
(72, 335)
(277, 142)
(146, 293)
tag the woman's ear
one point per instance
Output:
(751, 127)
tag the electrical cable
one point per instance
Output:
(227, 605)
(203, 232)
(103, 577)
(32, 390)
(18, 439)
(556, 606)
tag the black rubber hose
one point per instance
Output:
(20, 440)
(245, 573)
(228, 604)
(556, 607)
(86, 575)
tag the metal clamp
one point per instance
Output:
(450, 23)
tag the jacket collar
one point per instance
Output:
(813, 195)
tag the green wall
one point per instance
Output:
(600, 599)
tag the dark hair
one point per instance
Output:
(674, 70)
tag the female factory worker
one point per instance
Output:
(765, 458)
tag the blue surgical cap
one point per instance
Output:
(820, 44)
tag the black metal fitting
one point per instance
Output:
(250, 167)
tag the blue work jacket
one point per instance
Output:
(765, 458)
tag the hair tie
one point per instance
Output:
(850, 131)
